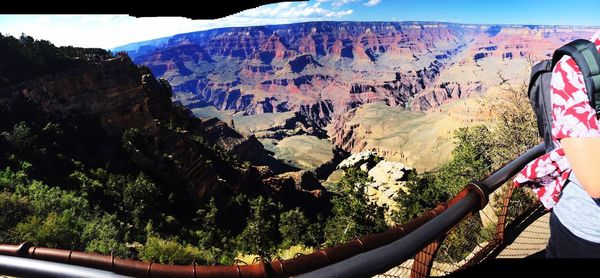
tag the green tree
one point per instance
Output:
(353, 214)
(294, 228)
(140, 197)
(11, 180)
(13, 209)
(103, 235)
(424, 193)
(20, 137)
(209, 234)
(133, 140)
(471, 158)
(260, 234)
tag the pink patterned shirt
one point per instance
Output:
(572, 116)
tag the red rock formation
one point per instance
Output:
(323, 69)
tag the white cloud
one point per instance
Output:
(339, 3)
(108, 31)
(372, 3)
(291, 11)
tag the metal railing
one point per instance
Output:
(383, 258)
(23, 267)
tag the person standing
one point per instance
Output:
(567, 179)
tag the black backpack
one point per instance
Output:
(587, 58)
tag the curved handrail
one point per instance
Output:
(497, 178)
(35, 268)
(383, 258)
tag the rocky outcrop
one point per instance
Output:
(390, 177)
(363, 160)
(325, 170)
(387, 178)
(289, 67)
(319, 114)
(302, 63)
(342, 134)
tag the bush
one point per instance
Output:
(170, 252)
(208, 233)
(11, 180)
(13, 209)
(247, 258)
(479, 149)
(133, 140)
(140, 197)
(21, 137)
(294, 251)
(424, 193)
(103, 235)
(52, 231)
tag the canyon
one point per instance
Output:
(315, 79)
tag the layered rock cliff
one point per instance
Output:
(299, 67)
(316, 68)
(324, 70)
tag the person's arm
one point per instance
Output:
(584, 157)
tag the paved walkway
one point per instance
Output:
(531, 240)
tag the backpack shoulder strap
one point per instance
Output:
(587, 58)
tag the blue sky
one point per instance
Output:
(108, 31)
(546, 12)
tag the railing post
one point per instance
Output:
(501, 226)
(498, 237)
(423, 260)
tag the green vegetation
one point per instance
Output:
(68, 183)
(170, 252)
(294, 228)
(57, 196)
(353, 214)
(128, 211)
(102, 210)
(25, 58)
(260, 233)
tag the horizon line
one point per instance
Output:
(367, 21)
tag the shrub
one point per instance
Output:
(294, 251)
(170, 252)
